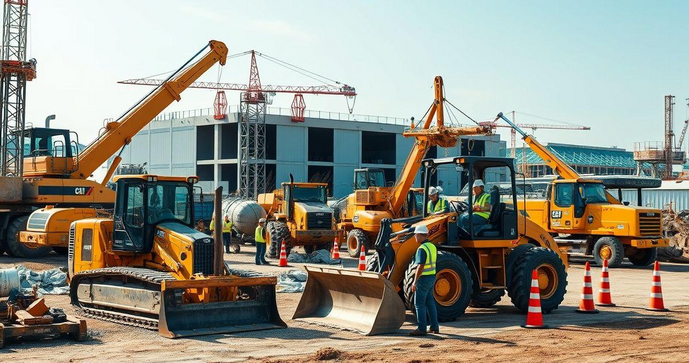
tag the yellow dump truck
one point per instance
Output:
(298, 214)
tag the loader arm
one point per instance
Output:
(427, 137)
(119, 133)
(558, 165)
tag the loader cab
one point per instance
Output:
(303, 193)
(368, 178)
(143, 202)
(501, 222)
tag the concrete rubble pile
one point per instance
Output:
(676, 227)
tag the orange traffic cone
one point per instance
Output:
(586, 304)
(283, 255)
(656, 303)
(362, 259)
(534, 316)
(604, 297)
(336, 250)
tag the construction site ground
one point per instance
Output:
(627, 332)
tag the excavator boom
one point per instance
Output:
(557, 164)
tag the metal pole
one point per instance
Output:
(218, 260)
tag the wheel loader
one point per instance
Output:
(148, 267)
(475, 265)
(298, 214)
(591, 217)
(373, 200)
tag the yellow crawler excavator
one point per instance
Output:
(147, 266)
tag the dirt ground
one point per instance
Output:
(627, 332)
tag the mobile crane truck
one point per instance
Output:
(590, 216)
(55, 186)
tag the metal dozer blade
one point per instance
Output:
(365, 302)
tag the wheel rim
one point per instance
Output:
(605, 252)
(352, 243)
(447, 287)
(548, 281)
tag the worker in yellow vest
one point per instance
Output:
(481, 207)
(436, 203)
(227, 233)
(260, 238)
(424, 280)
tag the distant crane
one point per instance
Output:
(330, 87)
(253, 99)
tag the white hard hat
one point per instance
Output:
(262, 220)
(422, 229)
(478, 183)
(433, 191)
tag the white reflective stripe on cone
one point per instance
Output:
(534, 309)
(534, 283)
(656, 283)
(587, 296)
(605, 279)
(657, 296)
(656, 273)
(587, 284)
(534, 295)
(604, 290)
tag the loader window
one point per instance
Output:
(169, 201)
(309, 194)
(563, 195)
(593, 192)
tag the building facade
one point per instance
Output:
(327, 147)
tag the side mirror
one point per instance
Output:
(625, 203)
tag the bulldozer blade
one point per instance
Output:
(257, 310)
(365, 302)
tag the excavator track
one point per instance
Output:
(144, 276)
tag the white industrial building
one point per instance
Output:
(327, 147)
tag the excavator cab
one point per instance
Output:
(50, 151)
(368, 178)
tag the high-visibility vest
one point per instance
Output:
(258, 236)
(439, 206)
(212, 225)
(481, 201)
(227, 226)
(431, 258)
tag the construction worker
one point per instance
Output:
(201, 226)
(211, 226)
(424, 280)
(260, 238)
(481, 207)
(437, 204)
(227, 233)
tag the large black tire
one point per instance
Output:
(550, 265)
(609, 248)
(452, 270)
(276, 233)
(486, 298)
(19, 249)
(355, 239)
(61, 250)
(643, 256)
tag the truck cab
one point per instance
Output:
(50, 152)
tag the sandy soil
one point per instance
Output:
(624, 333)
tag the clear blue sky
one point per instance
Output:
(605, 64)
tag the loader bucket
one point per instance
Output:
(365, 302)
(255, 309)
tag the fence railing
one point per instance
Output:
(282, 111)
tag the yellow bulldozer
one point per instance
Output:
(148, 267)
(475, 265)
(299, 215)
(373, 200)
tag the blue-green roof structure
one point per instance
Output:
(583, 155)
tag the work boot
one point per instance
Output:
(435, 331)
(418, 333)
